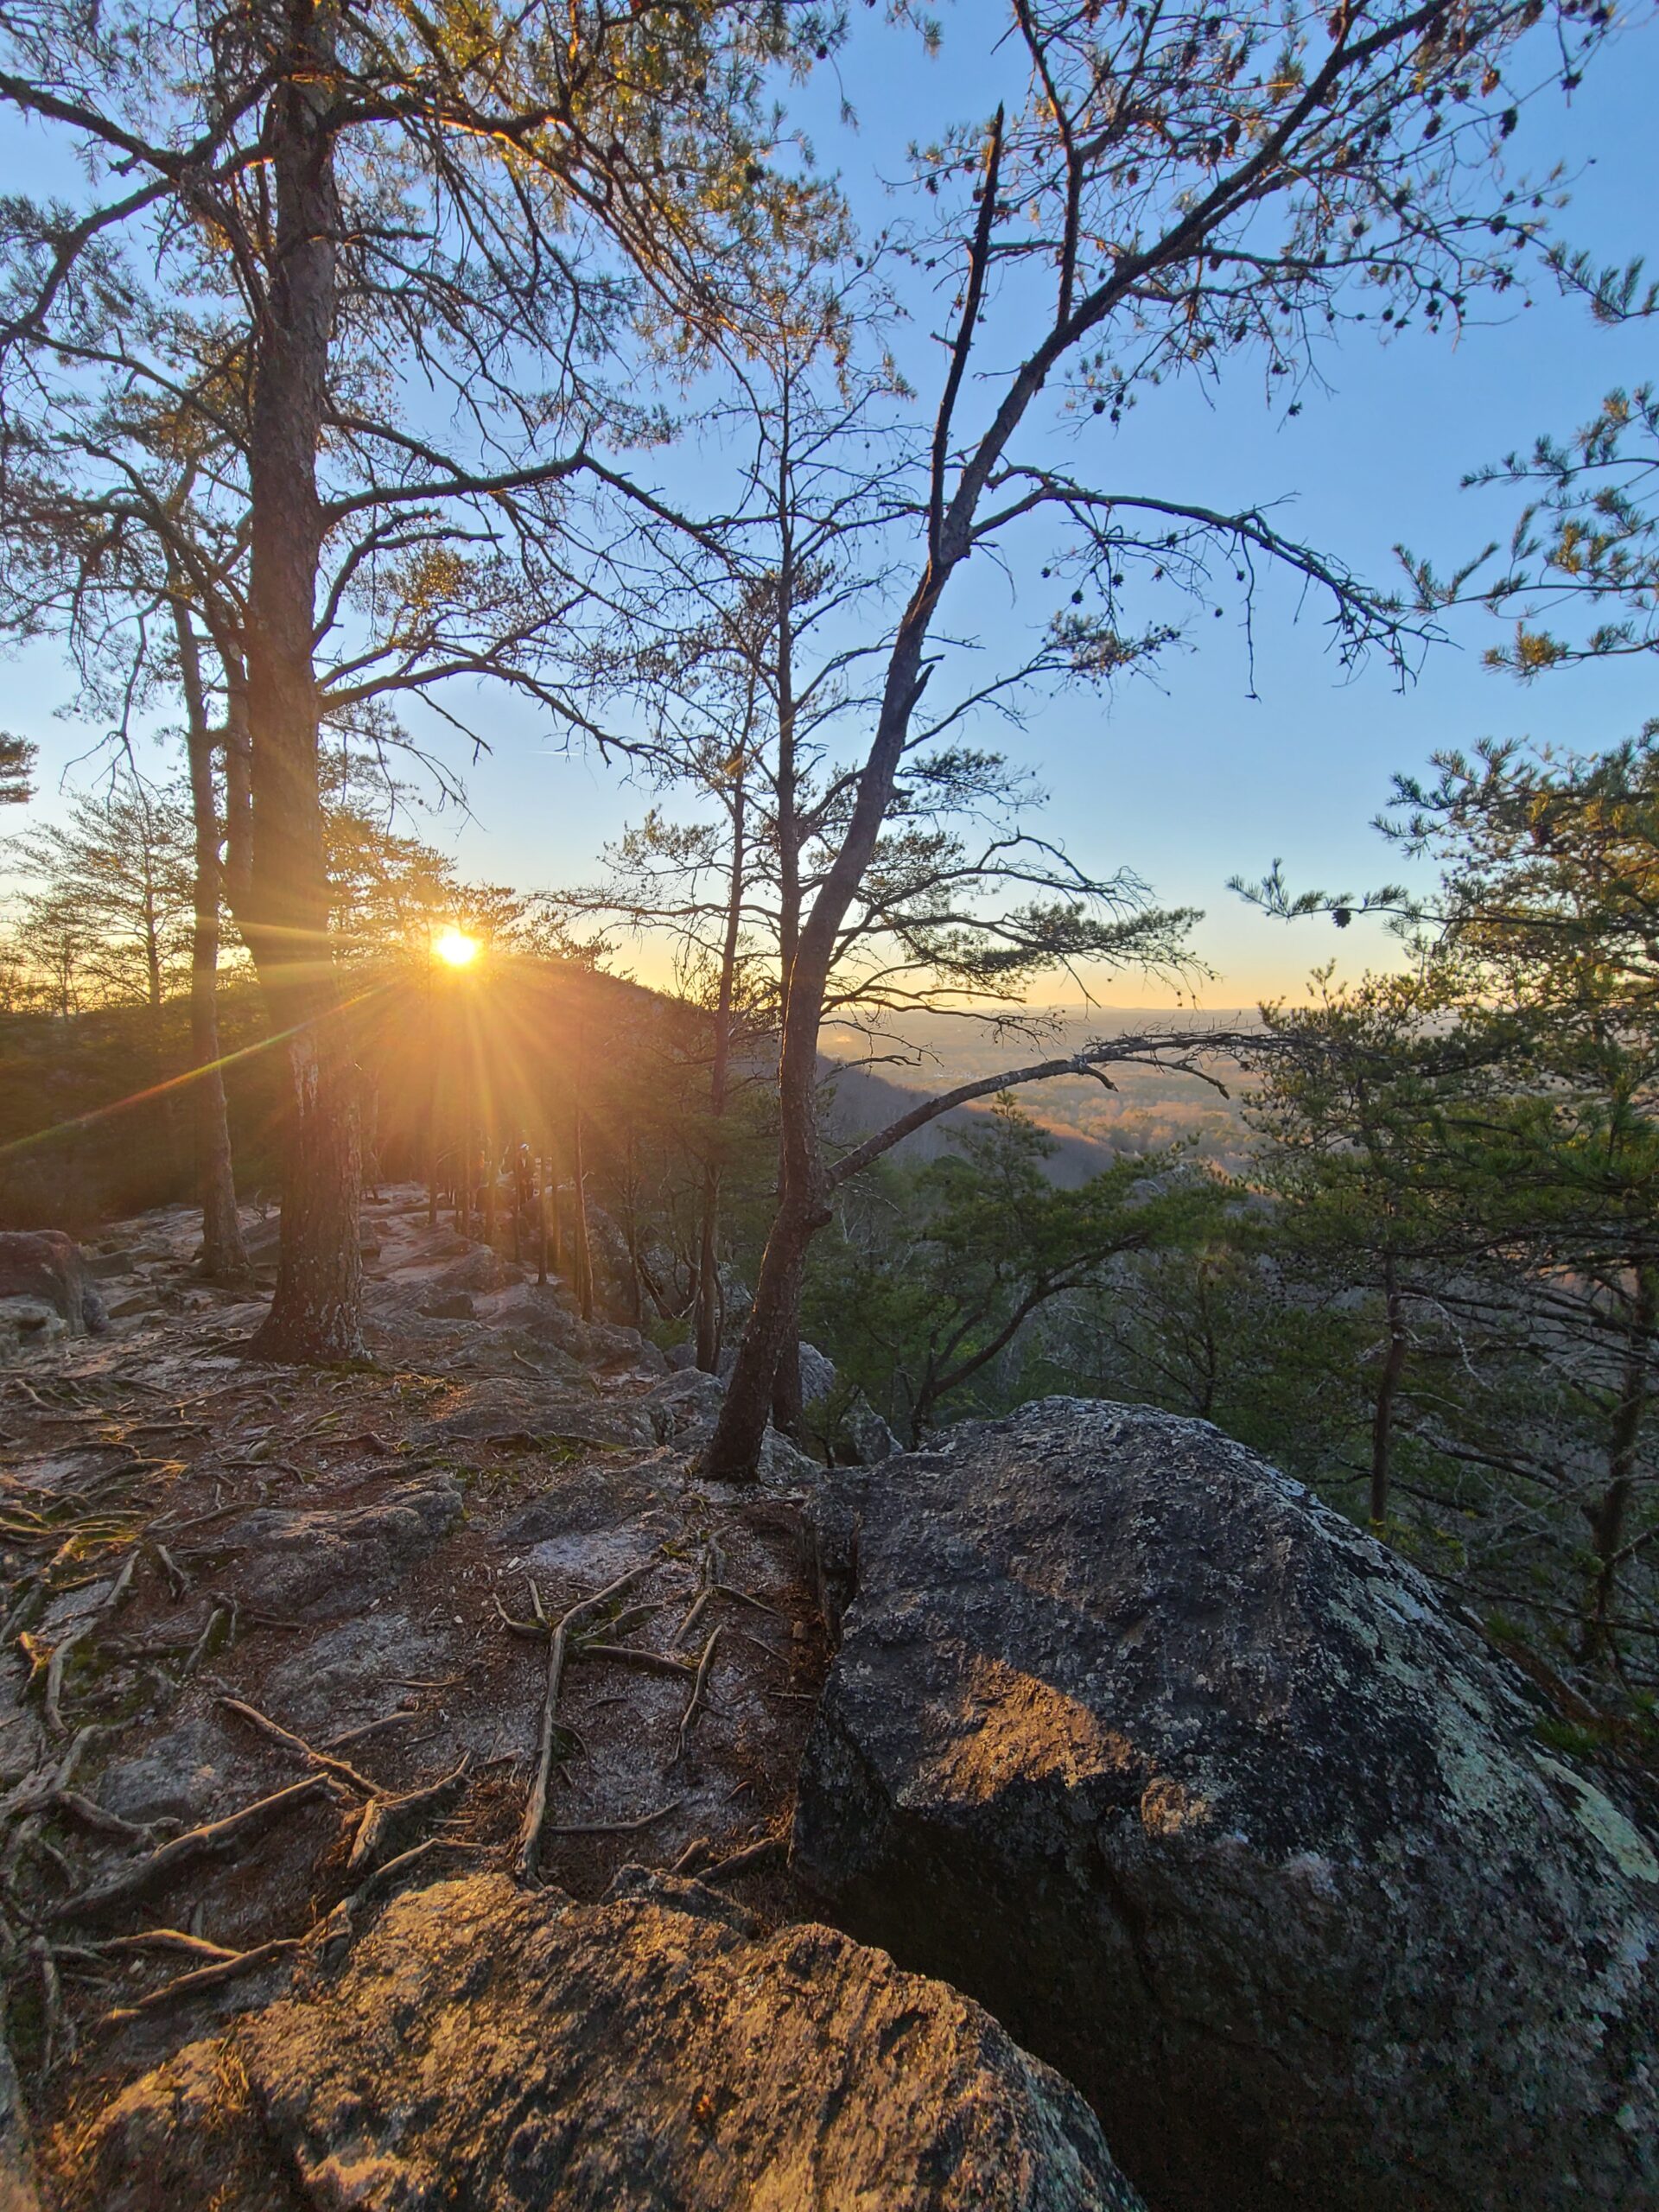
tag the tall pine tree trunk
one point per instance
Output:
(224, 1256)
(584, 1249)
(733, 1450)
(708, 1297)
(1394, 1366)
(315, 1315)
(1608, 1517)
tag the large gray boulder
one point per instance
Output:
(1206, 1795)
(486, 2048)
(46, 1268)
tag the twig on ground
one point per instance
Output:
(617, 1828)
(633, 1654)
(369, 1728)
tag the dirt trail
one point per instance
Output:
(224, 1579)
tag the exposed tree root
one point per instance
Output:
(529, 1833)
(204, 1843)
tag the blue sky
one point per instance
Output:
(1189, 779)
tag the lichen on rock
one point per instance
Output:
(1206, 1795)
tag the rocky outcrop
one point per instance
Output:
(485, 2047)
(1209, 1799)
(838, 1417)
(47, 1269)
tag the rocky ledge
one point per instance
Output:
(485, 2046)
(1206, 1795)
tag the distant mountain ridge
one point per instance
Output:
(1091, 1125)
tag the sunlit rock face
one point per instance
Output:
(1208, 1798)
(486, 2048)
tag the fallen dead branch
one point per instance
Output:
(209, 1841)
(529, 1833)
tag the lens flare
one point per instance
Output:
(455, 949)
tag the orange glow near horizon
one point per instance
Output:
(454, 948)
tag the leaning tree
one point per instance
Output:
(755, 645)
(1167, 191)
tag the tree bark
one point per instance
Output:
(803, 1198)
(804, 1194)
(1394, 1366)
(544, 1166)
(238, 785)
(315, 1315)
(1608, 1517)
(787, 1404)
(708, 1298)
(584, 1250)
(739, 1431)
(224, 1255)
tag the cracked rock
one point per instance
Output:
(1207, 1797)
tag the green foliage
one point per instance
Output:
(18, 756)
(105, 915)
(935, 1272)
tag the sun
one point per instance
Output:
(454, 948)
